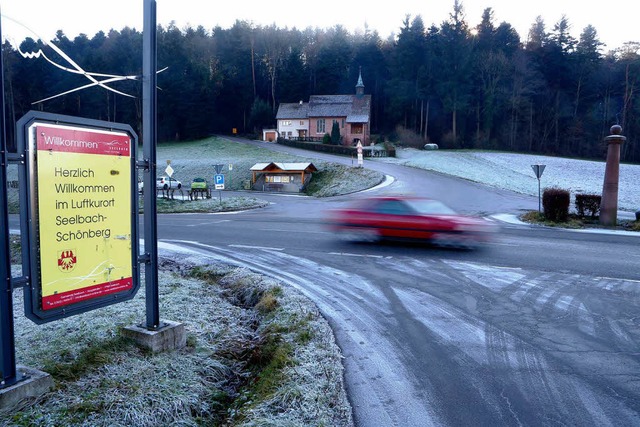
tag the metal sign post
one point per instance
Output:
(10, 375)
(149, 140)
(538, 170)
(218, 179)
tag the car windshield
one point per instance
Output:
(430, 207)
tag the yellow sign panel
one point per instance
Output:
(84, 214)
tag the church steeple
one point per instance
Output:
(360, 85)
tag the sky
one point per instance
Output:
(613, 21)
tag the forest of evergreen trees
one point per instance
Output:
(453, 85)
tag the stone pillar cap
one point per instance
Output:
(615, 137)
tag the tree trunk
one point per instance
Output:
(477, 124)
(426, 121)
(273, 89)
(575, 110)
(530, 126)
(253, 67)
(108, 105)
(454, 119)
(556, 121)
(421, 116)
(629, 89)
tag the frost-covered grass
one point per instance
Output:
(232, 316)
(512, 171)
(215, 204)
(195, 159)
(335, 180)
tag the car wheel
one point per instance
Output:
(179, 186)
(165, 187)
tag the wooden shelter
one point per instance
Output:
(288, 177)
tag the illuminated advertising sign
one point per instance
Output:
(83, 182)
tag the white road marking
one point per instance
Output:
(289, 231)
(619, 279)
(266, 248)
(358, 255)
(209, 222)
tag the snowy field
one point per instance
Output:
(513, 172)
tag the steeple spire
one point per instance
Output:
(360, 85)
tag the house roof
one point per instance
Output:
(286, 167)
(356, 108)
(357, 118)
(330, 105)
(297, 110)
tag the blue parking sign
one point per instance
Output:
(218, 179)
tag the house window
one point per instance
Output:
(320, 126)
(342, 123)
(301, 122)
(286, 123)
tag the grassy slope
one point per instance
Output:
(197, 159)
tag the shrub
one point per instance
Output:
(449, 141)
(326, 139)
(588, 203)
(408, 138)
(391, 149)
(336, 138)
(377, 138)
(555, 202)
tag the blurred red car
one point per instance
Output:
(409, 218)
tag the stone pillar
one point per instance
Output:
(609, 203)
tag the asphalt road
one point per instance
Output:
(540, 328)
